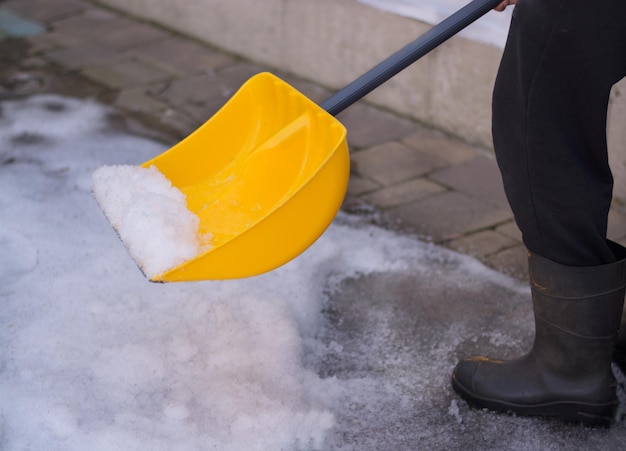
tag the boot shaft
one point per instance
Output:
(584, 301)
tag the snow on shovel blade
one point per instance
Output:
(248, 191)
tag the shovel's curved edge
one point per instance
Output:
(287, 165)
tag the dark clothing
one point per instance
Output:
(549, 124)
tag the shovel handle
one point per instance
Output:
(407, 55)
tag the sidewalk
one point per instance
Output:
(404, 175)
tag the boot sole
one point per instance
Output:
(589, 414)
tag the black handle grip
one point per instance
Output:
(407, 55)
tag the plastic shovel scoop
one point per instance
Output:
(265, 176)
(268, 172)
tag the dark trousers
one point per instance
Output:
(549, 123)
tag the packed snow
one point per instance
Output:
(150, 216)
(347, 347)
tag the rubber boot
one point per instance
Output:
(567, 373)
(619, 354)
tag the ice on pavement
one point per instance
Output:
(150, 216)
(326, 352)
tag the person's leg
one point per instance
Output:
(550, 103)
(549, 123)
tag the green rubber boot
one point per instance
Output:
(567, 373)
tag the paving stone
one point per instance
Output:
(359, 185)
(368, 126)
(33, 63)
(136, 99)
(482, 243)
(511, 230)
(125, 34)
(126, 74)
(196, 89)
(107, 29)
(200, 96)
(95, 20)
(393, 162)
(82, 57)
(618, 205)
(176, 123)
(62, 39)
(478, 177)
(449, 215)
(443, 147)
(72, 83)
(512, 262)
(403, 193)
(42, 43)
(182, 56)
(12, 53)
(617, 225)
(47, 11)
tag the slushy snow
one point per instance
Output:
(94, 357)
(150, 216)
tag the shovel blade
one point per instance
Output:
(265, 175)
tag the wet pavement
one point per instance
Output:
(405, 177)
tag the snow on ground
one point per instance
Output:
(93, 356)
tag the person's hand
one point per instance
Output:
(502, 6)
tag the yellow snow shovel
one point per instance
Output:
(267, 173)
